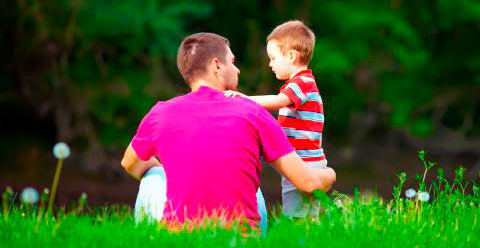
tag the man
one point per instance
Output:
(210, 145)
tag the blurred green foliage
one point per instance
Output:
(414, 64)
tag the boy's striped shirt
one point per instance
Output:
(303, 121)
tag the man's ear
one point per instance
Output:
(215, 63)
(215, 66)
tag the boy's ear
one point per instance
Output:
(292, 56)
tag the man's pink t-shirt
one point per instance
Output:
(210, 146)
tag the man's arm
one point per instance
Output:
(134, 165)
(272, 102)
(304, 177)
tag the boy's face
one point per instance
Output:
(281, 64)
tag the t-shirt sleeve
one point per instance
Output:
(296, 93)
(142, 141)
(273, 141)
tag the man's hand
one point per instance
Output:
(134, 165)
(304, 177)
(232, 93)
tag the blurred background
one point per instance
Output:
(395, 76)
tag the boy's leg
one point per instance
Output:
(294, 204)
(292, 200)
(262, 211)
(314, 208)
(152, 195)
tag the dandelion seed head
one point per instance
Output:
(410, 193)
(61, 150)
(29, 195)
(423, 196)
(83, 199)
(83, 195)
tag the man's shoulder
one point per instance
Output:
(168, 103)
(161, 106)
(176, 99)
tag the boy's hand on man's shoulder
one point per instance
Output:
(232, 93)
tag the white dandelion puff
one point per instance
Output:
(410, 193)
(61, 150)
(423, 196)
(29, 195)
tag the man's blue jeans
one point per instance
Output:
(152, 196)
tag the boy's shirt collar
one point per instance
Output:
(306, 71)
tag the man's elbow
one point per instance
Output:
(126, 164)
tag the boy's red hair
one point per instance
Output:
(294, 35)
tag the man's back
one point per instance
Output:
(210, 147)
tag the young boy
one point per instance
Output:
(290, 47)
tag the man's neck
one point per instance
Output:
(297, 70)
(202, 82)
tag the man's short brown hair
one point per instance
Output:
(294, 35)
(197, 50)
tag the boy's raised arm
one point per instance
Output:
(270, 102)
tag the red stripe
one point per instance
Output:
(304, 143)
(299, 80)
(314, 158)
(296, 123)
(312, 106)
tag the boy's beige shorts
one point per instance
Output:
(295, 203)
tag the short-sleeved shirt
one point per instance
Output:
(210, 146)
(303, 121)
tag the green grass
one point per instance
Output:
(448, 219)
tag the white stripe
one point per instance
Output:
(299, 134)
(322, 163)
(314, 96)
(300, 114)
(306, 79)
(310, 153)
(309, 115)
(297, 91)
(286, 111)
